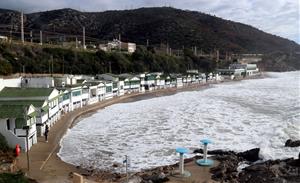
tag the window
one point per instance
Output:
(66, 96)
(109, 89)
(8, 124)
(76, 93)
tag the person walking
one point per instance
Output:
(46, 133)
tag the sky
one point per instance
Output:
(279, 17)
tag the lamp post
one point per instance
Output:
(182, 172)
(205, 161)
(27, 146)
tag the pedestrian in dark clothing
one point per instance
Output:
(46, 133)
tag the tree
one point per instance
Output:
(5, 68)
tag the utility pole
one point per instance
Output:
(49, 70)
(22, 28)
(120, 42)
(109, 66)
(31, 36)
(27, 144)
(63, 68)
(11, 28)
(51, 65)
(23, 70)
(217, 55)
(83, 37)
(167, 49)
(41, 37)
(76, 42)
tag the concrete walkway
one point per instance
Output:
(45, 165)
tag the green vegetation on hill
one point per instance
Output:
(36, 59)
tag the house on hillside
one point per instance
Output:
(15, 120)
(116, 44)
(128, 47)
(3, 38)
(45, 101)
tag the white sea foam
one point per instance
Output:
(237, 116)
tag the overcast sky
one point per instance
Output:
(279, 17)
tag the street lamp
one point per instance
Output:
(27, 146)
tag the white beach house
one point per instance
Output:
(150, 82)
(108, 90)
(72, 97)
(15, 120)
(45, 100)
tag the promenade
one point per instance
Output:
(47, 167)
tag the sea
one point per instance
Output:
(257, 113)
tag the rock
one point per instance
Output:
(250, 155)
(226, 171)
(215, 152)
(290, 143)
(115, 165)
(135, 179)
(156, 178)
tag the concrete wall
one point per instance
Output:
(14, 82)
(10, 137)
(38, 82)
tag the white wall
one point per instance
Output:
(38, 82)
(14, 82)
(10, 137)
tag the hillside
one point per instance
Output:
(16, 58)
(165, 25)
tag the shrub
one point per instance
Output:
(3, 144)
(14, 178)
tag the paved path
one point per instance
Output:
(45, 165)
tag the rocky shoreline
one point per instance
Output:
(270, 171)
(243, 167)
